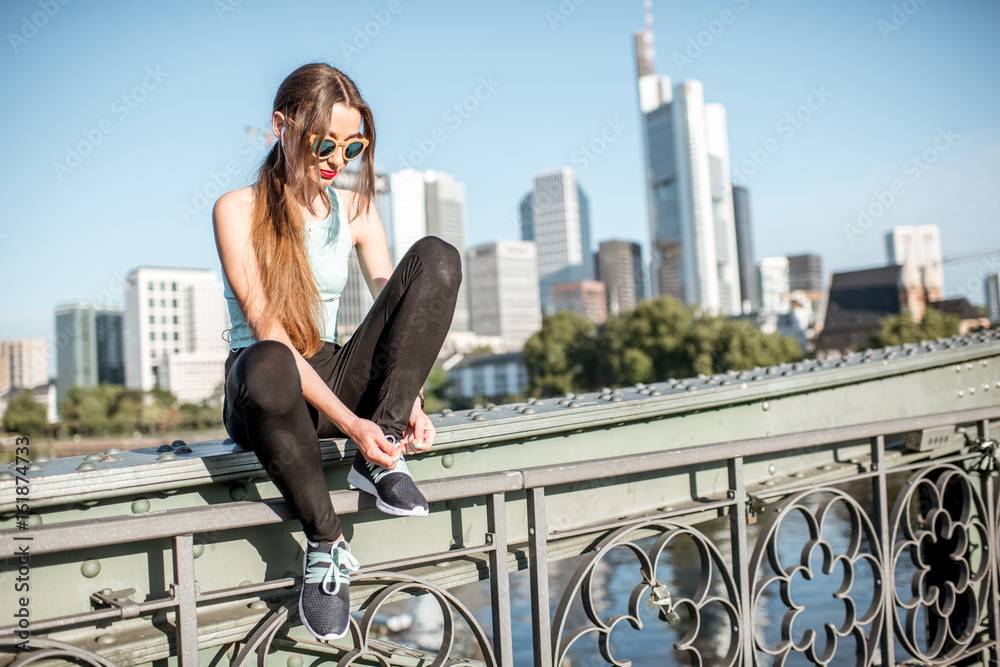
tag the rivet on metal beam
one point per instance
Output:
(528, 411)
(197, 550)
(573, 404)
(479, 418)
(42, 458)
(93, 457)
(167, 456)
(238, 491)
(106, 639)
(140, 505)
(90, 568)
(765, 406)
(86, 465)
(771, 469)
(494, 408)
(448, 460)
(961, 393)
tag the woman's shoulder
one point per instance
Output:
(234, 206)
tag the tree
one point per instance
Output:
(436, 390)
(558, 355)
(901, 328)
(645, 344)
(25, 415)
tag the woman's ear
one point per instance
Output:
(278, 126)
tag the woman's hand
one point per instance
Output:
(373, 444)
(419, 434)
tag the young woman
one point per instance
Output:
(284, 243)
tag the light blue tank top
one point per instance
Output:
(329, 244)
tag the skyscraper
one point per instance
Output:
(619, 267)
(749, 285)
(922, 245)
(23, 364)
(89, 348)
(993, 297)
(174, 324)
(689, 189)
(559, 224)
(431, 203)
(503, 280)
(805, 272)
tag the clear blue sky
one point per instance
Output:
(71, 234)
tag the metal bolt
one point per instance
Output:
(140, 505)
(90, 568)
(730, 494)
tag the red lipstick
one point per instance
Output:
(327, 174)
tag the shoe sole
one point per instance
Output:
(302, 616)
(359, 481)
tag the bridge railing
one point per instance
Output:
(918, 564)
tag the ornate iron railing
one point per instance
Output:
(914, 568)
(944, 519)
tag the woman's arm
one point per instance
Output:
(231, 219)
(370, 243)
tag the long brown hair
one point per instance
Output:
(307, 96)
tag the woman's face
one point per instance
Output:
(345, 123)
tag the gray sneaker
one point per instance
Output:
(325, 602)
(395, 491)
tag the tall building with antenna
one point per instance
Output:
(689, 188)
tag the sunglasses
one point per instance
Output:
(353, 148)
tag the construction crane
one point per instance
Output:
(957, 259)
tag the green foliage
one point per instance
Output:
(113, 409)
(559, 355)
(660, 339)
(899, 329)
(25, 415)
(436, 390)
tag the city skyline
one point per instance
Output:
(858, 117)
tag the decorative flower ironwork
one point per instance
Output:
(939, 522)
(821, 509)
(650, 588)
(363, 652)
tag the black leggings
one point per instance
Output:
(377, 375)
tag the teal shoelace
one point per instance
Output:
(378, 472)
(336, 566)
